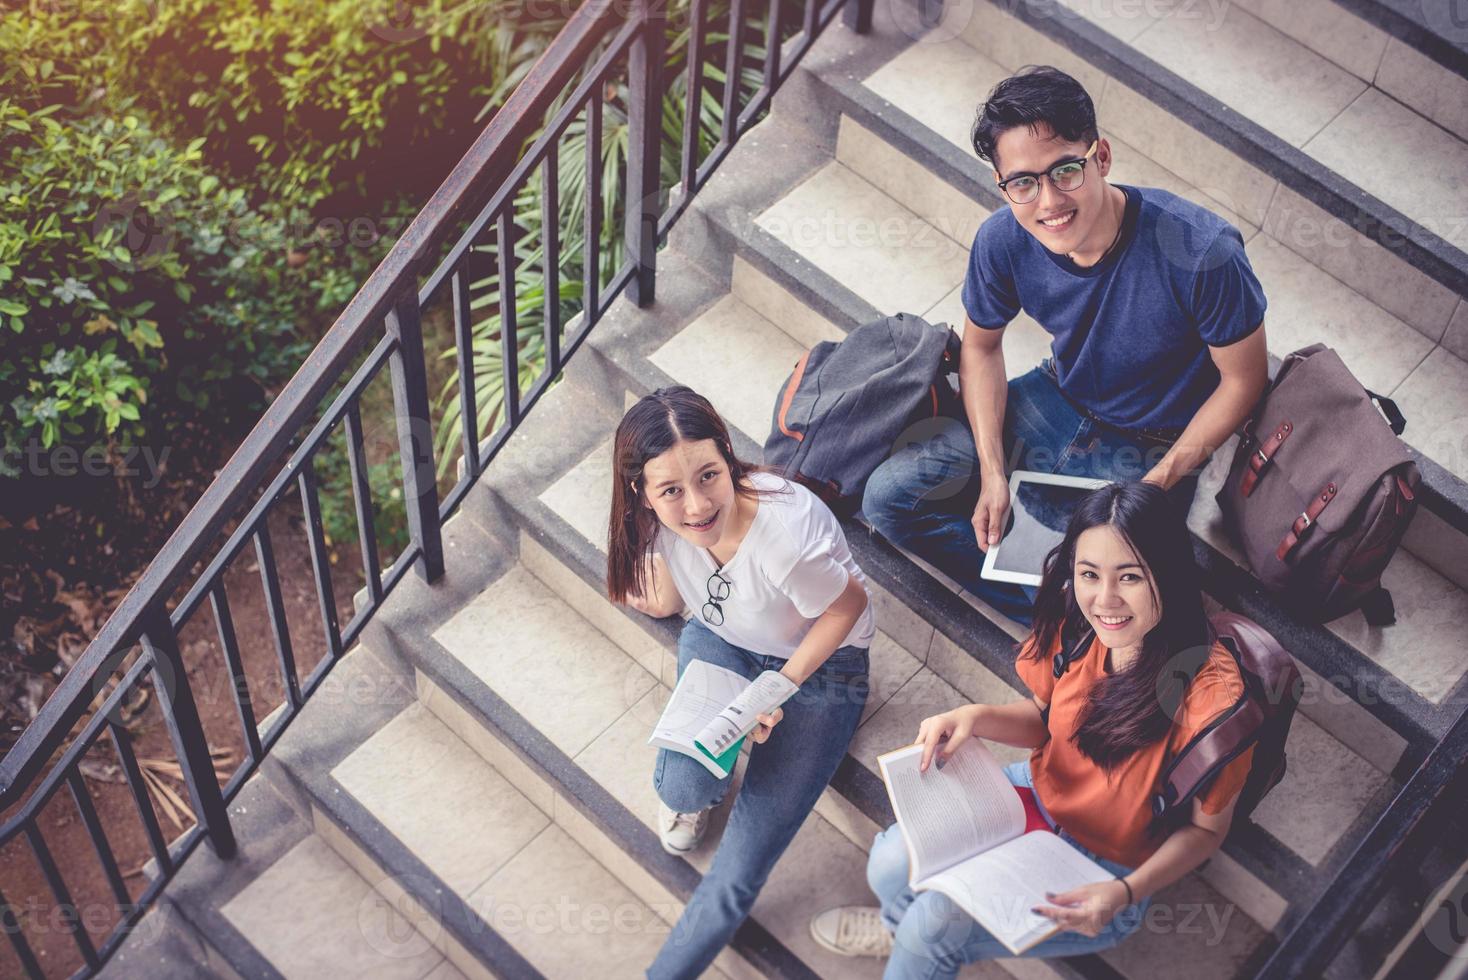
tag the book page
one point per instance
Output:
(1000, 886)
(702, 692)
(953, 813)
(741, 716)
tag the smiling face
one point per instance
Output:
(1114, 589)
(1063, 221)
(691, 490)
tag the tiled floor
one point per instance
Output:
(1415, 167)
(311, 916)
(1245, 63)
(882, 252)
(735, 358)
(549, 664)
(414, 759)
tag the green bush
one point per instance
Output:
(312, 101)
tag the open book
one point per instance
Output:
(965, 831)
(713, 708)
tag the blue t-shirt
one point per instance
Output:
(1130, 335)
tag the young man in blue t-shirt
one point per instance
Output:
(1157, 339)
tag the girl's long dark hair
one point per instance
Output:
(1134, 707)
(654, 425)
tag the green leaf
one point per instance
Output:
(13, 308)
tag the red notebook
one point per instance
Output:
(1034, 820)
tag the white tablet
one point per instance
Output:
(1040, 505)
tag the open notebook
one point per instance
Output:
(965, 828)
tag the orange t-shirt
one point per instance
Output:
(1110, 815)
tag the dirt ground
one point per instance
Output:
(51, 608)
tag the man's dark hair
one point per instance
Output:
(1033, 96)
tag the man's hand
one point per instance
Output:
(992, 511)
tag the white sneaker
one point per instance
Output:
(681, 832)
(852, 930)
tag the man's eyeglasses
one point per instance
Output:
(1067, 175)
(718, 589)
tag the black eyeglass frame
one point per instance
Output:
(1050, 174)
(722, 590)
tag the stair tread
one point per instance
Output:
(310, 914)
(1244, 63)
(566, 678)
(415, 758)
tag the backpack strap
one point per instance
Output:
(1226, 738)
(1073, 646)
(790, 388)
(1262, 455)
(1305, 521)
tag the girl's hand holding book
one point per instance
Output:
(766, 723)
(951, 728)
(1086, 909)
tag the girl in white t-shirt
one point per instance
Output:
(763, 567)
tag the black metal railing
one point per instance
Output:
(140, 641)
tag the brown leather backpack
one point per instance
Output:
(1321, 490)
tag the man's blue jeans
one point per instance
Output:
(923, 496)
(933, 937)
(785, 776)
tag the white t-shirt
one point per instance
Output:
(790, 567)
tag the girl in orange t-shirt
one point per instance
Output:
(1101, 734)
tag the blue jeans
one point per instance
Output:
(923, 496)
(784, 778)
(934, 938)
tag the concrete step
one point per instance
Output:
(1208, 125)
(1341, 38)
(287, 906)
(778, 261)
(932, 87)
(574, 496)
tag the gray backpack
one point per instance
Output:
(1321, 490)
(845, 404)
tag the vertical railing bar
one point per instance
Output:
(190, 745)
(23, 951)
(464, 351)
(644, 151)
(59, 891)
(509, 327)
(122, 742)
(362, 498)
(88, 810)
(858, 15)
(772, 48)
(808, 28)
(320, 560)
(239, 684)
(592, 252)
(275, 606)
(415, 432)
(693, 111)
(550, 230)
(733, 68)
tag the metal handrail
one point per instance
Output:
(472, 180)
(478, 193)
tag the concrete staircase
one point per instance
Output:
(470, 793)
